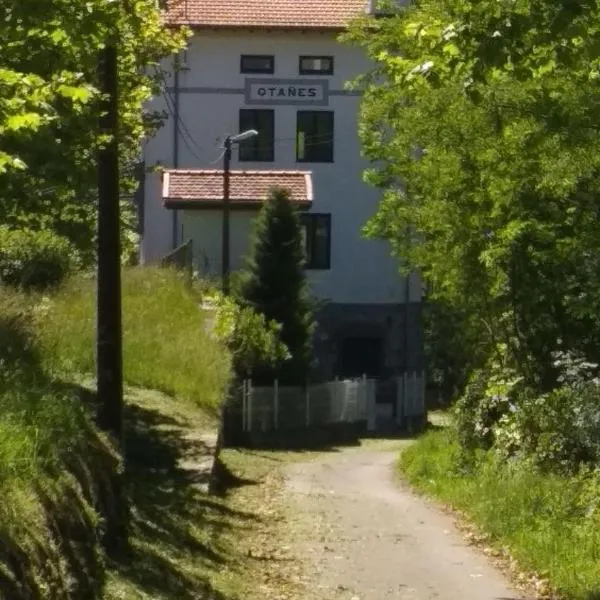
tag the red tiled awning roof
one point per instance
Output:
(203, 188)
(271, 14)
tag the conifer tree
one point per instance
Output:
(274, 284)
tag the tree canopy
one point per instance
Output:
(49, 109)
(481, 121)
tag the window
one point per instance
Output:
(254, 63)
(314, 136)
(260, 147)
(316, 65)
(317, 240)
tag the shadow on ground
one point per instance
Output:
(403, 434)
(176, 526)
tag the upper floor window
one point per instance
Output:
(257, 63)
(316, 65)
(260, 147)
(314, 136)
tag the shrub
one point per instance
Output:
(17, 344)
(253, 341)
(492, 393)
(34, 259)
(559, 430)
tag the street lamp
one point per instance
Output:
(229, 141)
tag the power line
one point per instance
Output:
(184, 132)
(193, 146)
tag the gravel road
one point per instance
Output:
(368, 537)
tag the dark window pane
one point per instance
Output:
(314, 136)
(317, 235)
(260, 147)
(321, 241)
(253, 63)
(316, 65)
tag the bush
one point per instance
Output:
(557, 431)
(17, 343)
(492, 393)
(34, 259)
(253, 341)
(560, 430)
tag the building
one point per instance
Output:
(276, 66)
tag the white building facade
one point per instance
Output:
(276, 66)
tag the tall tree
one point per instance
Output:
(49, 106)
(275, 285)
(481, 117)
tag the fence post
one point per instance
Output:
(307, 394)
(362, 413)
(416, 395)
(276, 404)
(400, 400)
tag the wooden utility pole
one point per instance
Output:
(109, 330)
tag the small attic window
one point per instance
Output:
(255, 63)
(316, 65)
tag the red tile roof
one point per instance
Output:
(203, 188)
(272, 14)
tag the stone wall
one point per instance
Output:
(402, 346)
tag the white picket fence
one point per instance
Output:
(282, 407)
(410, 398)
(276, 407)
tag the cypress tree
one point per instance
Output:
(274, 284)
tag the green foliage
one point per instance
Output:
(167, 345)
(558, 431)
(492, 392)
(253, 341)
(275, 286)
(480, 118)
(452, 348)
(35, 259)
(549, 523)
(54, 468)
(49, 109)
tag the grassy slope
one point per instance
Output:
(165, 343)
(550, 525)
(53, 461)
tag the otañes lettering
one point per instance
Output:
(290, 91)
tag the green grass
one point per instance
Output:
(165, 343)
(550, 524)
(53, 462)
(56, 467)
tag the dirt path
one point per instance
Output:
(368, 537)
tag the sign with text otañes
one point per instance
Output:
(287, 91)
